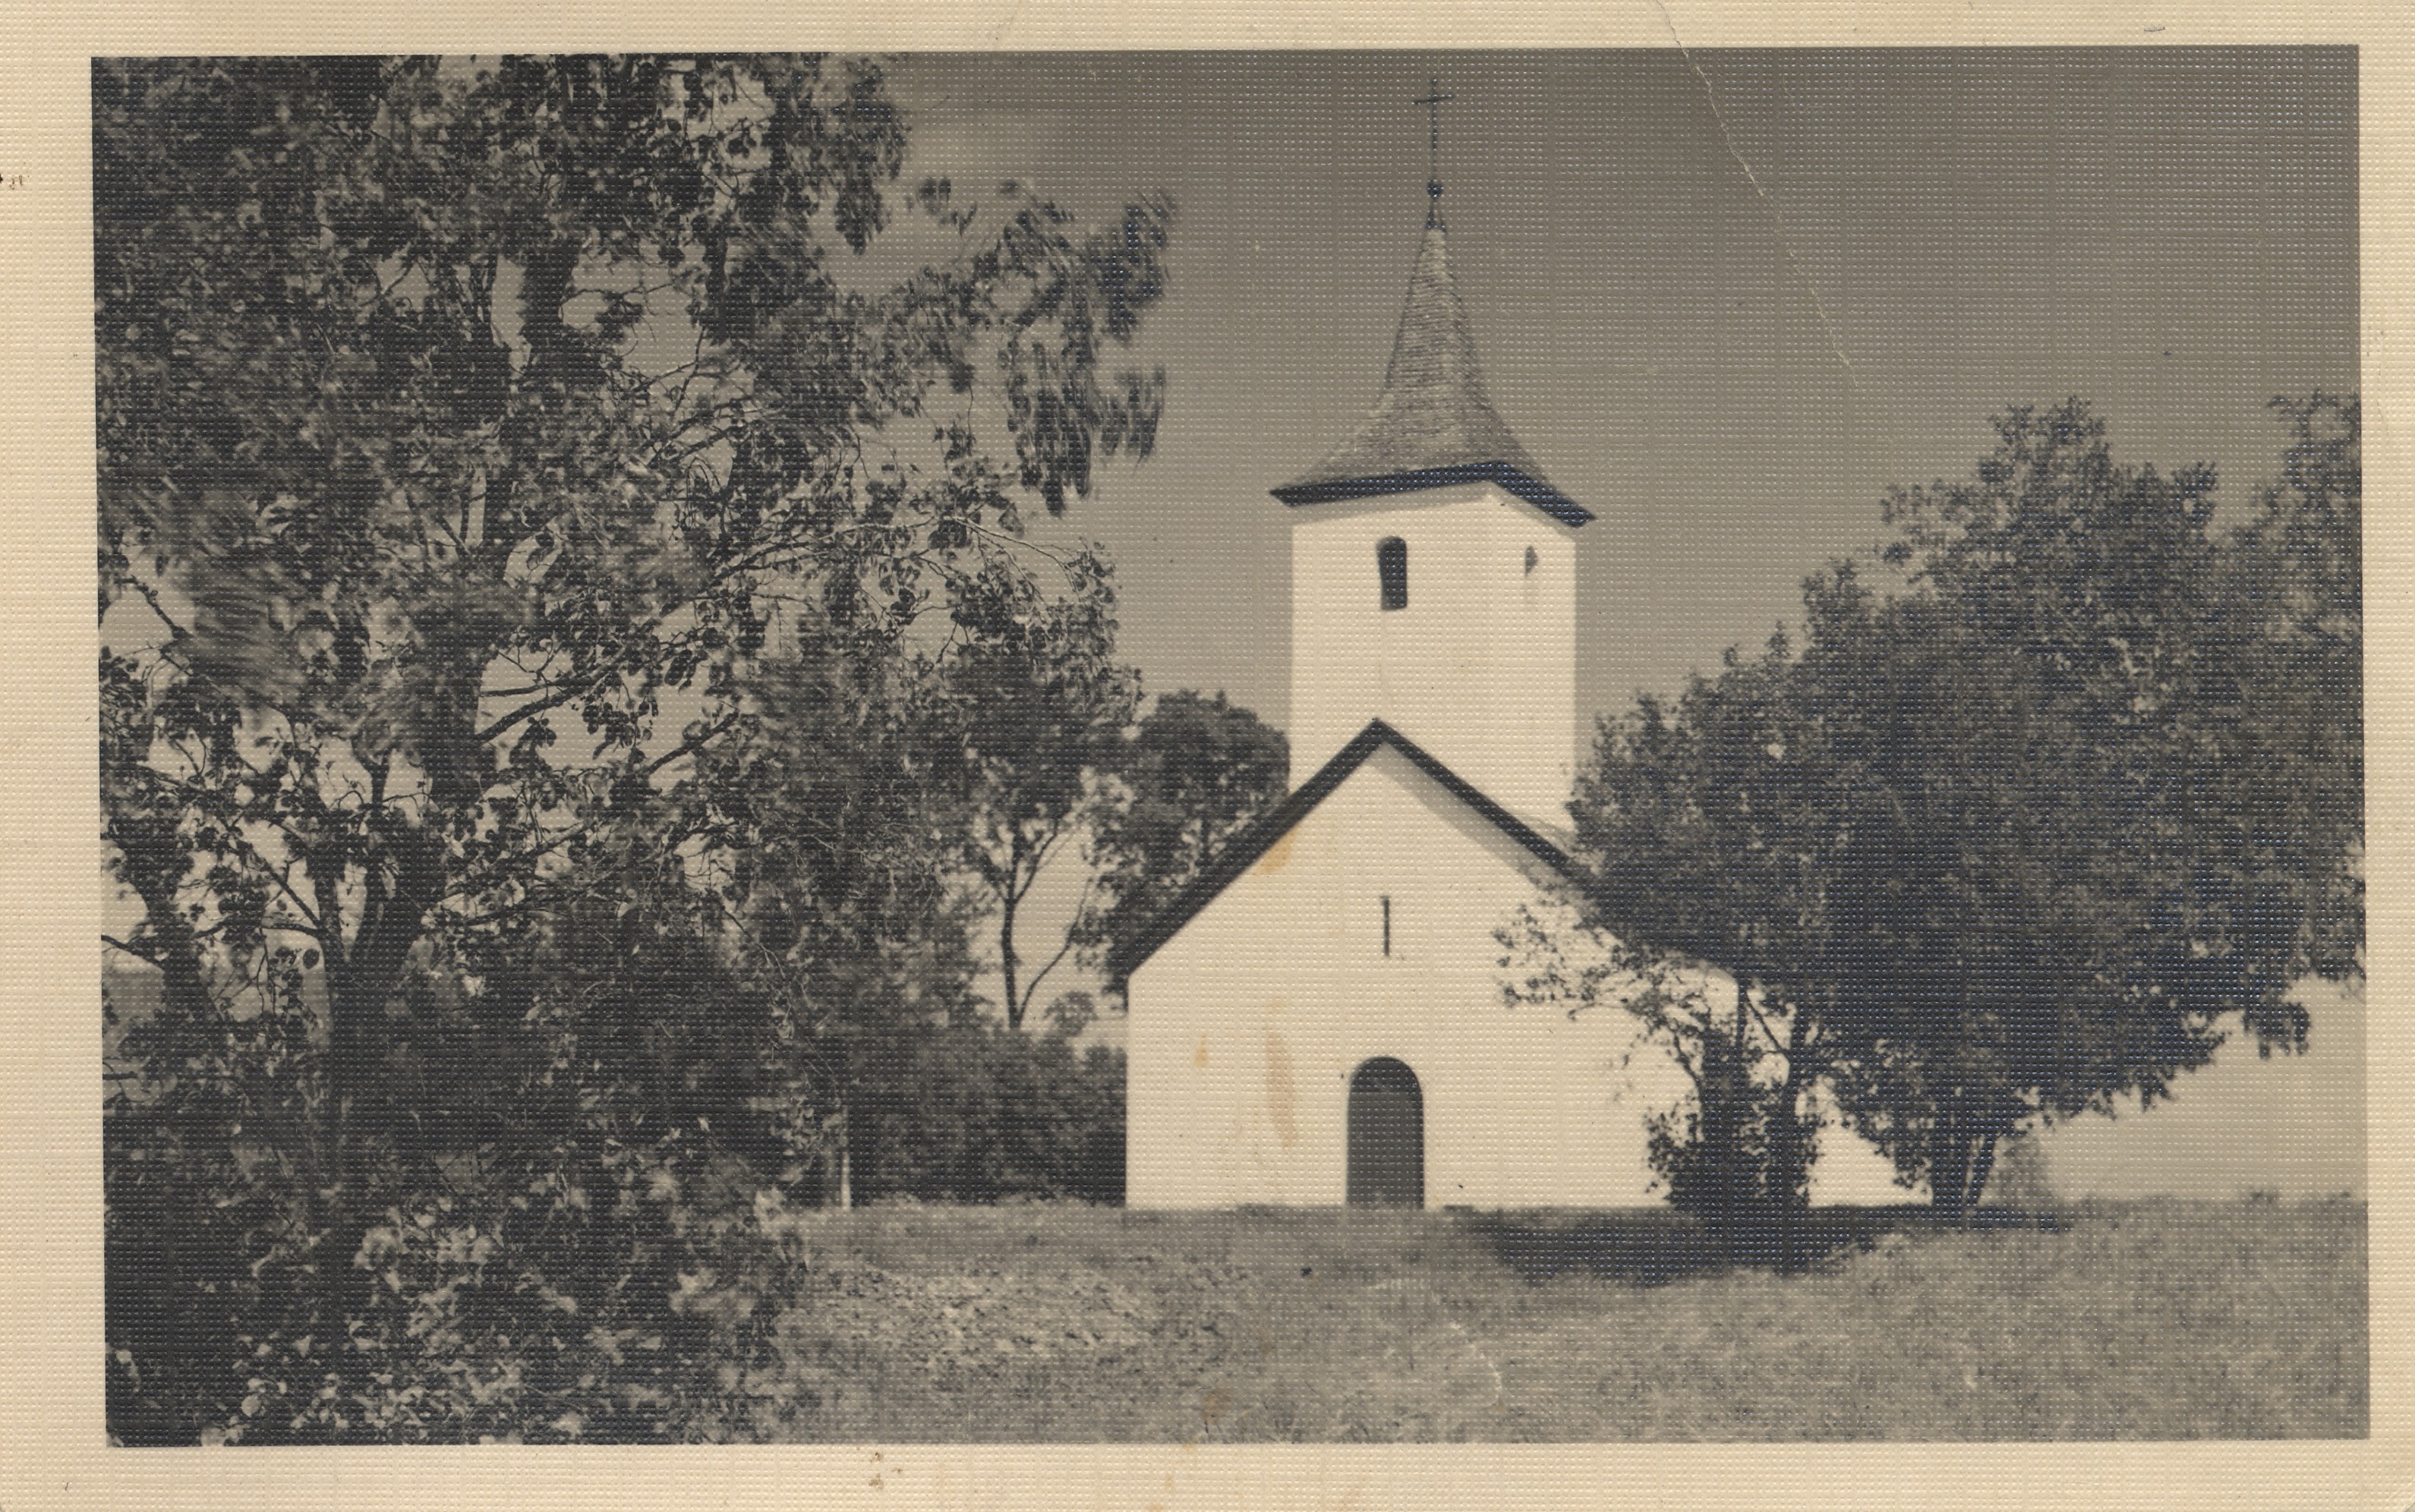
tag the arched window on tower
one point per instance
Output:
(1392, 569)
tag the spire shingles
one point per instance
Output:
(1433, 424)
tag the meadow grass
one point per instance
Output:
(2154, 1320)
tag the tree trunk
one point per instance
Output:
(1949, 1161)
(1724, 1093)
(1006, 958)
(1983, 1161)
(361, 981)
(1790, 1175)
(1992, 1130)
(846, 1173)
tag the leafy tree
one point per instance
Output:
(2086, 863)
(1056, 760)
(1726, 1153)
(1040, 707)
(466, 431)
(823, 834)
(2008, 842)
(1710, 831)
(1194, 771)
(2283, 873)
(1728, 1157)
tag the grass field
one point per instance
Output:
(2156, 1320)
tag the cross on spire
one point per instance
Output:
(1433, 102)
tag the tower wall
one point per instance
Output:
(1479, 667)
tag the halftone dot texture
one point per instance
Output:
(1717, 303)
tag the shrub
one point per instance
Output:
(973, 1111)
(2022, 1181)
(570, 1266)
(1717, 1159)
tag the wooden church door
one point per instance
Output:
(1386, 1160)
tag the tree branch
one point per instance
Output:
(506, 862)
(1031, 989)
(138, 952)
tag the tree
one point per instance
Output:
(1194, 771)
(2085, 865)
(2283, 873)
(2008, 841)
(1736, 1154)
(1710, 832)
(2006, 886)
(380, 457)
(449, 410)
(820, 838)
(1040, 707)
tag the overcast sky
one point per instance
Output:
(1724, 308)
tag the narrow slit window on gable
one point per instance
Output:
(1388, 923)
(1392, 568)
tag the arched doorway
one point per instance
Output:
(1386, 1163)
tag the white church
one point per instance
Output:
(1320, 1019)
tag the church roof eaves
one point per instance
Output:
(1524, 484)
(1242, 851)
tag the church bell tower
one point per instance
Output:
(1434, 569)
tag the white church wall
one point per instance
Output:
(1478, 668)
(1244, 1030)
(1846, 1168)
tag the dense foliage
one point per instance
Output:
(1730, 1156)
(977, 1113)
(535, 550)
(1194, 771)
(2022, 833)
(2121, 751)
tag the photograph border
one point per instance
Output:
(53, 1451)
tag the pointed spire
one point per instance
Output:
(1433, 424)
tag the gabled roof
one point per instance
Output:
(1433, 424)
(1242, 850)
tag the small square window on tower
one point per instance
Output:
(1392, 570)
